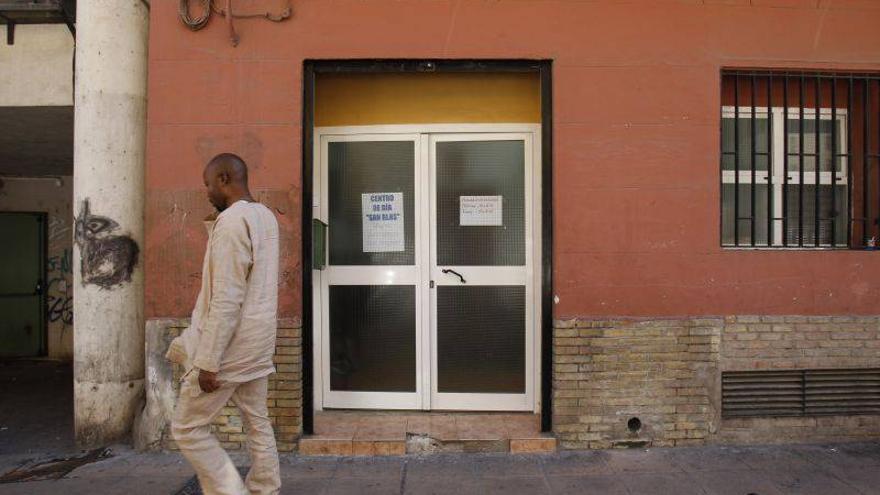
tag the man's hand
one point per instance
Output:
(208, 381)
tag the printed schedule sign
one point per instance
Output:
(480, 211)
(382, 222)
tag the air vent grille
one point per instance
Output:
(800, 392)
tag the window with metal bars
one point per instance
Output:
(800, 160)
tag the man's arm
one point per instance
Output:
(231, 258)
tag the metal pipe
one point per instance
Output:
(801, 162)
(785, 161)
(817, 165)
(736, 160)
(834, 159)
(770, 209)
(849, 163)
(866, 124)
(753, 187)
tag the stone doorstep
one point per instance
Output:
(422, 444)
(537, 445)
(353, 433)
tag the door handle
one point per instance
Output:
(449, 270)
(319, 244)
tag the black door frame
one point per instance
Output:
(43, 219)
(543, 69)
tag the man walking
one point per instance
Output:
(227, 350)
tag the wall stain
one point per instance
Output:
(108, 260)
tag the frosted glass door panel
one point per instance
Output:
(376, 169)
(466, 172)
(373, 338)
(481, 339)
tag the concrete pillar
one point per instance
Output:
(108, 189)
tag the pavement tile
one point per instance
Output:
(370, 467)
(777, 457)
(465, 486)
(642, 461)
(8, 462)
(77, 486)
(308, 467)
(868, 452)
(506, 465)
(591, 462)
(439, 486)
(735, 483)
(708, 459)
(36, 408)
(156, 485)
(809, 482)
(300, 486)
(510, 486)
(587, 485)
(865, 480)
(448, 466)
(363, 486)
(843, 456)
(663, 484)
(838, 469)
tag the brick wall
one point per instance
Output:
(285, 393)
(667, 373)
(776, 342)
(799, 342)
(606, 372)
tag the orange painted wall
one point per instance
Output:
(636, 88)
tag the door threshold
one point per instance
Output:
(347, 433)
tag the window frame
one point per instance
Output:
(776, 168)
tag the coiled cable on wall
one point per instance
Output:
(198, 22)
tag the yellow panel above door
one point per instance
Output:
(433, 98)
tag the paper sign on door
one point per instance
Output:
(480, 211)
(382, 222)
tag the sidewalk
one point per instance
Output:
(840, 469)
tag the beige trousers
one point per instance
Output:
(191, 428)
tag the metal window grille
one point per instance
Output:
(800, 160)
(800, 392)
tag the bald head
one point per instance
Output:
(226, 178)
(230, 164)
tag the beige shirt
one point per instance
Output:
(235, 318)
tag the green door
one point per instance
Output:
(22, 326)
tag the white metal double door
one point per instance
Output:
(426, 301)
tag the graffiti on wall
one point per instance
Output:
(59, 228)
(59, 295)
(107, 259)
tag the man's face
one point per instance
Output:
(215, 187)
